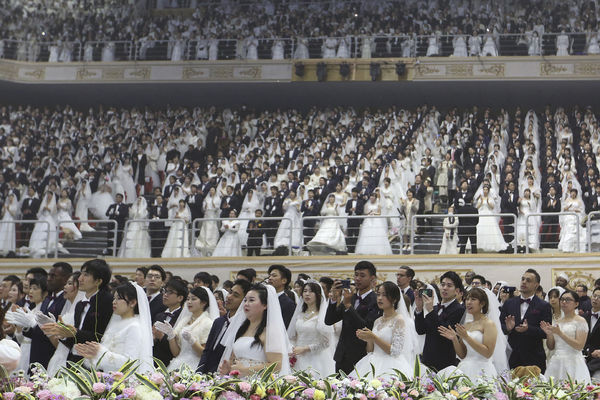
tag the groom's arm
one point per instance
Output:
(358, 322)
(534, 330)
(334, 314)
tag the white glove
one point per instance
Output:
(42, 319)
(21, 318)
(188, 337)
(165, 328)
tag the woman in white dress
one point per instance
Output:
(136, 240)
(329, 238)
(479, 342)
(277, 52)
(567, 338)
(125, 174)
(562, 44)
(489, 46)
(450, 238)
(291, 226)
(489, 236)
(391, 345)
(8, 238)
(366, 46)
(251, 48)
(209, 232)
(593, 47)
(188, 337)
(65, 208)
(301, 51)
(341, 198)
(408, 208)
(442, 177)
(128, 335)
(433, 48)
(82, 201)
(44, 232)
(229, 244)
(459, 42)
(329, 47)
(102, 199)
(534, 47)
(373, 235)
(312, 338)
(249, 206)
(528, 229)
(343, 50)
(568, 224)
(389, 201)
(256, 338)
(177, 244)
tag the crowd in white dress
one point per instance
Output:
(64, 31)
(356, 326)
(384, 165)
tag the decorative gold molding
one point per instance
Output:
(253, 72)
(221, 72)
(551, 69)
(113, 74)
(141, 73)
(84, 73)
(38, 73)
(494, 69)
(191, 73)
(576, 276)
(459, 70)
(426, 70)
(587, 69)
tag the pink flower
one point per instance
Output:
(194, 387)
(501, 396)
(129, 392)
(354, 383)
(245, 387)
(44, 394)
(254, 397)
(309, 393)
(98, 387)
(156, 378)
(363, 397)
(234, 372)
(179, 387)
(117, 375)
(8, 395)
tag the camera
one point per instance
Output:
(426, 292)
(345, 283)
(508, 289)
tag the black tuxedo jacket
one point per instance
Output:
(118, 212)
(273, 207)
(195, 204)
(359, 210)
(350, 349)
(288, 306)
(213, 351)
(527, 347)
(94, 323)
(161, 211)
(438, 352)
(161, 349)
(156, 307)
(41, 347)
(30, 208)
(593, 340)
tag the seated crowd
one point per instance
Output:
(94, 30)
(322, 326)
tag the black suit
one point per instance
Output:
(273, 208)
(310, 208)
(156, 307)
(194, 201)
(467, 228)
(527, 347)
(592, 343)
(158, 232)
(120, 213)
(29, 210)
(255, 232)
(213, 350)
(161, 349)
(550, 224)
(95, 321)
(288, 306)
(508, 205)
(350, 349)
(438, 352)
(354, 223)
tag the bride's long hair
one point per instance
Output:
(262, 296)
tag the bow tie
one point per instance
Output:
(596, 315)
(84, 303)
(169, 314)
(441, 307)
(528, 301)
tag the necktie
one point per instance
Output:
(528, 301)
(149, 298)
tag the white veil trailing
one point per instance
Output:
(146, 360)
(499, 358)
(411, 338)
(324, 329)
(277, 340)
(186, 314)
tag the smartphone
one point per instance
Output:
(345, 283)
(509, 289)
(426, 292)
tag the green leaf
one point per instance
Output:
(417, 369)
(146, 382)
(82, 385)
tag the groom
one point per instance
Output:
(520, 318)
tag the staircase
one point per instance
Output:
(430, 241)
(91, 245)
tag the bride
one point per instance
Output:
(392, 343)
(229, 244)
(8, 238)
(329, 237)
(373, 236)
(209, 232)
(450, 238)
(489, 236)
(256, 338)
(313, 340)
(128, 335)
(65, 207)
(43, 237)
(291, 205)
(177, 244)
(82, 202)
(249, 206)
(136, 240)
(101, 200)
(568, 223)
(480, 342)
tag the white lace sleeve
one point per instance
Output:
(397, 345)
(320, 344)
(118, 349)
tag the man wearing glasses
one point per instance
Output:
(404, 277)
(155, 278)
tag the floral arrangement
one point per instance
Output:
(77, 383)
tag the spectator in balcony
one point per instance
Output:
(65, 210)
(44, 230)
(136, 242)
(343, 50)
(278, 51)
(433, 48)
(459, 43)
(489, 46)
(177, 244)
(209, 232)
(367, 46)
(329, 47)
(475, 44)
(568, 224)
(329, 238)
(489, 236)
(10, 211)
(562, 44)
(450, 237)
(301, 51)
(528, 226)
(534, 47)
(408, 208)
(251, 44)
(373, 236)
(229, 244)
(592, 42)
(108, 52)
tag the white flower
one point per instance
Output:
(145, 393)
(63, 387)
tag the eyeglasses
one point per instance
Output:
(169, 292)
(596, 297)
(566, 300)
(153, 276)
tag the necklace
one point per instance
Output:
(309, 314)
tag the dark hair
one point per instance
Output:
(118, 280)
(480, 278)
(99, 269)
(316, 289)
(244, 284)
(156, 267)
(285, 273)
(75, 275)
(203, 277)
(65, 268)
(143, 270)
(453, 276)
(128, 293)
(479, 294)
(262, 296)
(227, 284)
(534, 272)
(304, 276)
(37, 271)
(40, 281)
(248, 273)
(12, 278)
(584, 287)
(409, 271)
(392, 292)
(215, 279)
(366, 265)
(552, 292)
(179, 287)
(327, 281)
(572, 293)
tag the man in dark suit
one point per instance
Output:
(592, 343)
(194, 202)
(155, 278)
(404, 277)
(356, 311)
(550, 223)
(213, 350)
(120, 213)
(173, 298)
(273, 208)
(29, 210)
(255, 232)
(509, 204)
(520, 318)
(467, 226)
(92, 314)
(158, 232)
(310, 208)
(280, 278)
(438, 352)
(354, 208)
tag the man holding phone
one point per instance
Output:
(357, 311)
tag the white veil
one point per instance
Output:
(146, 360)
(277, 338)
(186, 314)
(324, 329)
(499, 357)
(411, 338)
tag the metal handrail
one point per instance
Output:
(588, 227)
(32, 222)
(414, 218)
(95, 221)
(184, 226)
(552, 214)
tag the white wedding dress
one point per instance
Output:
(136, 239)
(249, 207)
(373, 236)
(391, 331)
(566, 361)
(489, 236)
(44, 233)
(246, 354)
(64, 214)
(102, 199)
(329, 237)
(179, 236)
(229, 245)
(450, 238)
(82, 202)
(8, 239)
(568, 227)
(528, 229)
(209, 231)
(474, 365)
(293, 221)
(319, 359)
(199, 329)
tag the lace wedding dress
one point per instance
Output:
(319, 358)
(567, 361)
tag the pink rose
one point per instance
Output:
(245, 387)
(98, 387)
(194, 387)
(129, 392)
(8, 395)
(179, 387)
(117, 375)
(44, 394)
(156, 378)
(310, 392)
